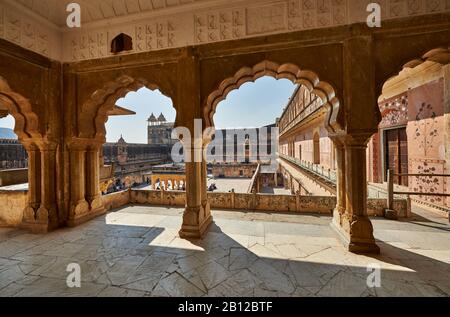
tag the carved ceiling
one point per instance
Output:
(96, 10)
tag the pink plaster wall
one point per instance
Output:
(305, 142)
(422, 111)
(426, 139)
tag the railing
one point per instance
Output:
(303, 114)
(252, 188)
(318, 170)
(392, 192)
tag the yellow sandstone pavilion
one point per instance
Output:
(197, 54)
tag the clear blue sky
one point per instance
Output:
(253, 105)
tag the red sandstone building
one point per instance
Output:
(412, 138)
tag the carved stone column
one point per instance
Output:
(34, 185)
(93, 196)
(79, 207)
(356, 230)
(49, 207)
(340, 181)
(197, 216)
(360, 109)
(41, 215)
(204, 179)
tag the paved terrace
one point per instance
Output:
(135, 251)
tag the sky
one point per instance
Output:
(252, 105)
(7, 122)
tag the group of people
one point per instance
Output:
(212, 187)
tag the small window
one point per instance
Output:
(121, 43)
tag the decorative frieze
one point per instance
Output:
(266, 19)
(89, 46)
(151, 36)
(24, 31)
(219, 26)
(197, 26)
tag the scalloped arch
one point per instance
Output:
(26, 121)
(103, 100)
(285, 71)
(440, 55)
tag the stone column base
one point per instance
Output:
(96, 205)
(82, 212)
(360, 239)
(189, 231)
(85, 218)
(38, 222)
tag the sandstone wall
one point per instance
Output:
(13, 177)
(116, 200)
(260, 202)
(13, 204)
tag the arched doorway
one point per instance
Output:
(41, 212)
(247, 136)
(88, 150)
(414, 104)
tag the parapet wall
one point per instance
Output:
(261, 202)
(13, 177)
(13, 206)
(11, 213)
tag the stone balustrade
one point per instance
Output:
(16, 201)
(247, 202)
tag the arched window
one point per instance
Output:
(121, 43)
(316, 157)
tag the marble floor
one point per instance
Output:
(136, 251)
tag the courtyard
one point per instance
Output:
(136, 251)
(225, 185)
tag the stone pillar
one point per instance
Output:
(357, 120)
(196, 218)
(356, 230)
(34, 186)
(34, 176)
(93, 195)
(340, 181)
(41, 215)
(79, 207)
(48, 211)
(204, 190)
